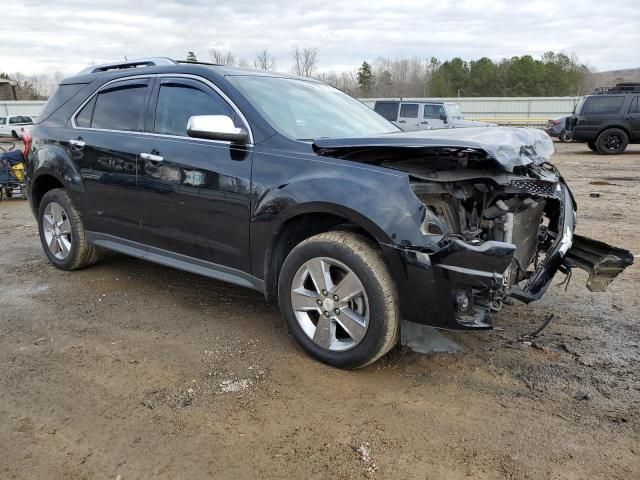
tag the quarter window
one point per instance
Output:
(604, 104)
(635, 105)
(116, 108)
(388, 110)
(3, 121)
(409, 110)
(177, 102)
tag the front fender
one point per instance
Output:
(379, 201)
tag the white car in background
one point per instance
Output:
(425, 115)
(15, 125)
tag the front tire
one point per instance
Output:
(62, 232)
(612, 141)
(564, 137)
(339, 300)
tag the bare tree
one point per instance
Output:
(244, 63)
(305, 60)
(221, 58)
(265, 61)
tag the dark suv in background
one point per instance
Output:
(608, 120)
(290, 187)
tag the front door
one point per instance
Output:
(104, 140)
(193, 193)
(408, 116)
(432, 114)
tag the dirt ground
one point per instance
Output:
(130, 370)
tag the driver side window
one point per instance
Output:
(177, 102)
(433, 111)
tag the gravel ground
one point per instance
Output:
(130, 370)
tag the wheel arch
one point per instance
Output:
(306, 221)
(609, 127)
(40, 186)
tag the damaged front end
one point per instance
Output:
(494, 229)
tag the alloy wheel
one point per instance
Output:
(330, 304)
(613, 141)
(57, 230)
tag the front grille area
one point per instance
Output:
(525, 235)
(534, 187)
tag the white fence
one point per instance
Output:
(30, 108)
(504, 110)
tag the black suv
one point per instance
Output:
(291, 187)
(608, 120)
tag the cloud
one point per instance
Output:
(67, 35)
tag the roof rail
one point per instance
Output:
(140, 62)
(625, 87)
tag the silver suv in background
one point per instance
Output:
(424, 115)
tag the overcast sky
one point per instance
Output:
(48, 35)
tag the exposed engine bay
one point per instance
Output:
(476, 206)
(498, 220)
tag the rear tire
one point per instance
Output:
(62, 232)
(612, 141)
(346, 324)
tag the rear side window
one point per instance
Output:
(62, 95)
(117, 108)
(3, 121)
(604, 104)
(178, 102)
(409, 110)
(635, 105)
(388, 110)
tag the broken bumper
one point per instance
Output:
(458, 286)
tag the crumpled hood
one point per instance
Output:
(509, 146)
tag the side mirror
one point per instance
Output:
(443, 117)
(216, 127)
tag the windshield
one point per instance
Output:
(307, 110)
(454, 111)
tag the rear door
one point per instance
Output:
(105, 140)
(408, 118)
(633, 118)
(194, 193)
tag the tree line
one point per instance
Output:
(553, 74)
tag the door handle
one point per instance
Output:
(151, 157)
(402, 121)
(78, 143)
(424, 123)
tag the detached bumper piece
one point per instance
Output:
(601, 261)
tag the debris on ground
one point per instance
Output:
(233, 386)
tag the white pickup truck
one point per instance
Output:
(15, 125)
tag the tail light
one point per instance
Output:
(26, 139)
(553, 122)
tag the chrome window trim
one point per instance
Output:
(203, 80)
